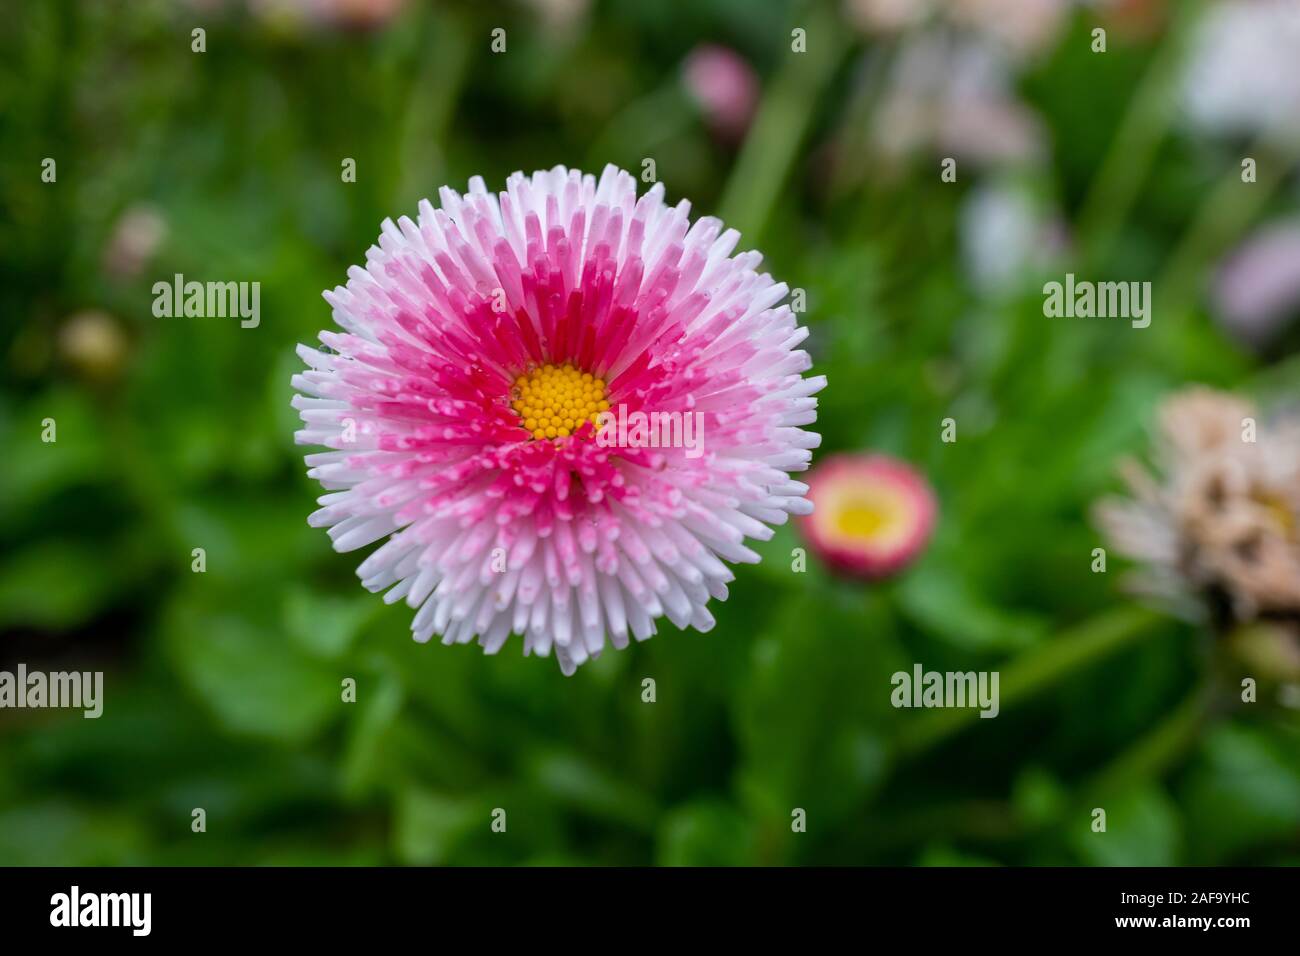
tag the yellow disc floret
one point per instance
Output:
(553, 401)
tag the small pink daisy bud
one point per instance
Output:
(562, 408)
(873, 515)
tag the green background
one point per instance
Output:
(223, 688)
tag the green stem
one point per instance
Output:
(980, 820)
(854, 137)
(1133, 150)
(1156, 752)
(1035, 671)
(641, 126)
(419, 158)
(1231, 206)
(779, 129)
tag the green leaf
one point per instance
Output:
(1038, 796)
(1243, 791)
(574, 780)
(705, 833)
(1142, 829)
(943, 604)
(252, 678)
(371, 735)
(943, 855)
(35, 470)
(429, 825)
(59, 833)
(323, 625)
(55, 585)
(813, 713)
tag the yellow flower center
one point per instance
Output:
(553, 401)
(874, 517)
(1278, 510)
(863, 519)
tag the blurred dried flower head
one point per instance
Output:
(91, 341)
(955, 98)
(1243, 74)
(1217, 526)
(1257, 291)
(1008, 235)
(133, 242)
(724, 87)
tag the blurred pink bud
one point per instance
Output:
(1257, 291)
(135, 238)
(725, 88)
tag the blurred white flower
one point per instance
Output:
(1243, 72)
(1007, 235)
(1020, 27)
(956, 97)
(886, 16)
(1024, 27)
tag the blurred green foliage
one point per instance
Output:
(223, 688)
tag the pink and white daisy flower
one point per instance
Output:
(478, 346)
(874, 514)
